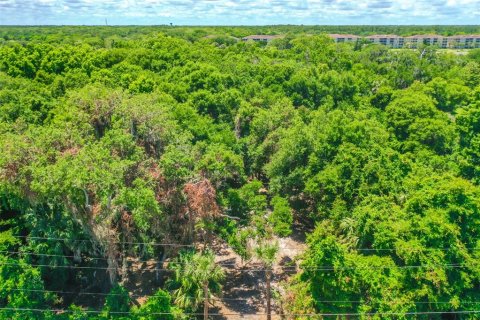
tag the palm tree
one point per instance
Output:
(266, 252)
(196, 279)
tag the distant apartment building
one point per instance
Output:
(261, 37)
(394, 41)
(464, 41)
(426, 39)
(390, 40)
(344, 37)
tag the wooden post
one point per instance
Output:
(268, 294)
(205, 300)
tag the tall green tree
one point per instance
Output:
(266, 251)
(196, 278)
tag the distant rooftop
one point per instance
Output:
(261, 37)
(424, 36)
(463, 36)
(458, 41)
(377, 36)
(336, 35)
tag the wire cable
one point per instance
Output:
(330, 268)
(118, 242)
(132, 295)
(253, 314)
(222, 298)
(97, 258)
(221, 263)
(193, 246)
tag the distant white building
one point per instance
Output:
(394, 41)
(426, 39)
(390, 40)
(464, 41)
(344, 37)
(262, 37)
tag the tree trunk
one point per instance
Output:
(209, 238)
(159, 266)
(124, 262)
(205, 301)
(268, 295)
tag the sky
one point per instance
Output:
(238, 12)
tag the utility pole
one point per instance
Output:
(268, 293)
(205, 300)
(266, 252)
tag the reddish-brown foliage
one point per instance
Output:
(201, 199)
(155, 172)
(96, 209)
(70, 151)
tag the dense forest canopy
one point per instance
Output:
(96, 34)
(121, 144)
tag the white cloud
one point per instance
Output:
(242, 11)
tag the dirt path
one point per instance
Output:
(243, 291)
(244, 288)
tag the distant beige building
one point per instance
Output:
(427, 39)
(261, 37)
(464, 41)
(390, 40)
(344, 37)
(394, 41)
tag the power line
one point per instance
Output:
(132, 295)
(97, 258)
(380, 313)
(48, 255)
(88, 311)
(397, 249)
(220, 263)
(253, 314)
(223, 298)
(193, 246)
(77, 267)
(284, 268)
(382, 301)
(117, 242)
(387, 267)
(329, 268)
(418, 249)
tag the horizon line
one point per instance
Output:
(240, 25)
